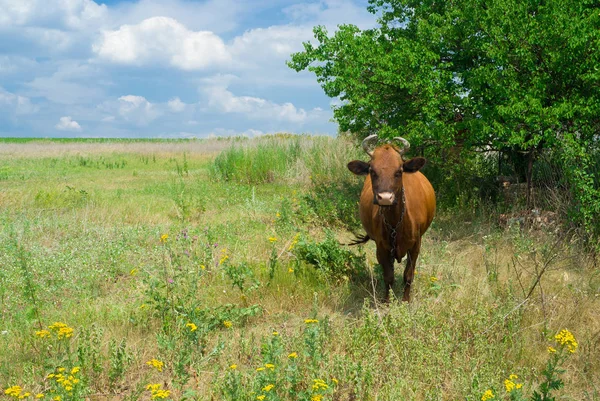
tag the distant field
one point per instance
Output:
(29, 147)
(212, 270)
(112, 140)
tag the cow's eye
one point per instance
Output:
(398, 173)
(373, 173)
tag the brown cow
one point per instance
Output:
(397, 205)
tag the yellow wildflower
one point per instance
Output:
(164, 238)
(156, 363)
(224, 256)
(227, 323)
(566, 338)
(272, 239)
(277, 214)
(334, 380)
(233, 367)
(40, 395)
(551, 349)
(14, 391)
(293, 355)
(316, 397)
(65, 332)
(62, 330)
(60, 370)
(268, 387)
(260, 369)
(488, 395)
(275, 333)
(157, 392)
(133, 272)
(192, 326)
(42, 333)
(433, 279)
(309, 321)
(75, 370)
(260, 397)
(161, 394)
(202, 267)
(270, 366)
(510, 385)
(290, 270)
(57, 398)
(294, 242)
(319, 384)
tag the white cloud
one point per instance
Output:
(53, 40)
(268, 46)
(67, 124)
(223, 100)
(221, 132)
(70, 14)
(162, 39)
(304, 11)
(71, 83)
(17, 104)
(16, 64)
(252, 133)
(176, 105)
(168, 40)
(137, 109)
(210, 15)
(331, 13)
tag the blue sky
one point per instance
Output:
(163, 68)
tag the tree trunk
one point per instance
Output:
(528, 177)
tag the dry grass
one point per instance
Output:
(165, 149)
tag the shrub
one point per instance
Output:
(331, 259)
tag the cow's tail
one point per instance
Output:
(360, 239)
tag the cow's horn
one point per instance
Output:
(367, 142)
(405, 144)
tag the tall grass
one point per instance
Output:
(169, 283)
(298, 159)
(264, 162)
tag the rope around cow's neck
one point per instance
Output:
(394, 230)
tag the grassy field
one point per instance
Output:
(212, 270)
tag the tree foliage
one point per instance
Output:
(518, 76)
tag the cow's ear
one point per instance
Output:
(413, 164)
(358, 167)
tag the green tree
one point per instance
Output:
(518, 76)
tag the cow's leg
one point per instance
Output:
(409, 271)
(386, 260)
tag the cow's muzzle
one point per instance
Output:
(385, 198)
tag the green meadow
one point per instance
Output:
(216, 270)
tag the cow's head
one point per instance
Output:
(386, 168)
